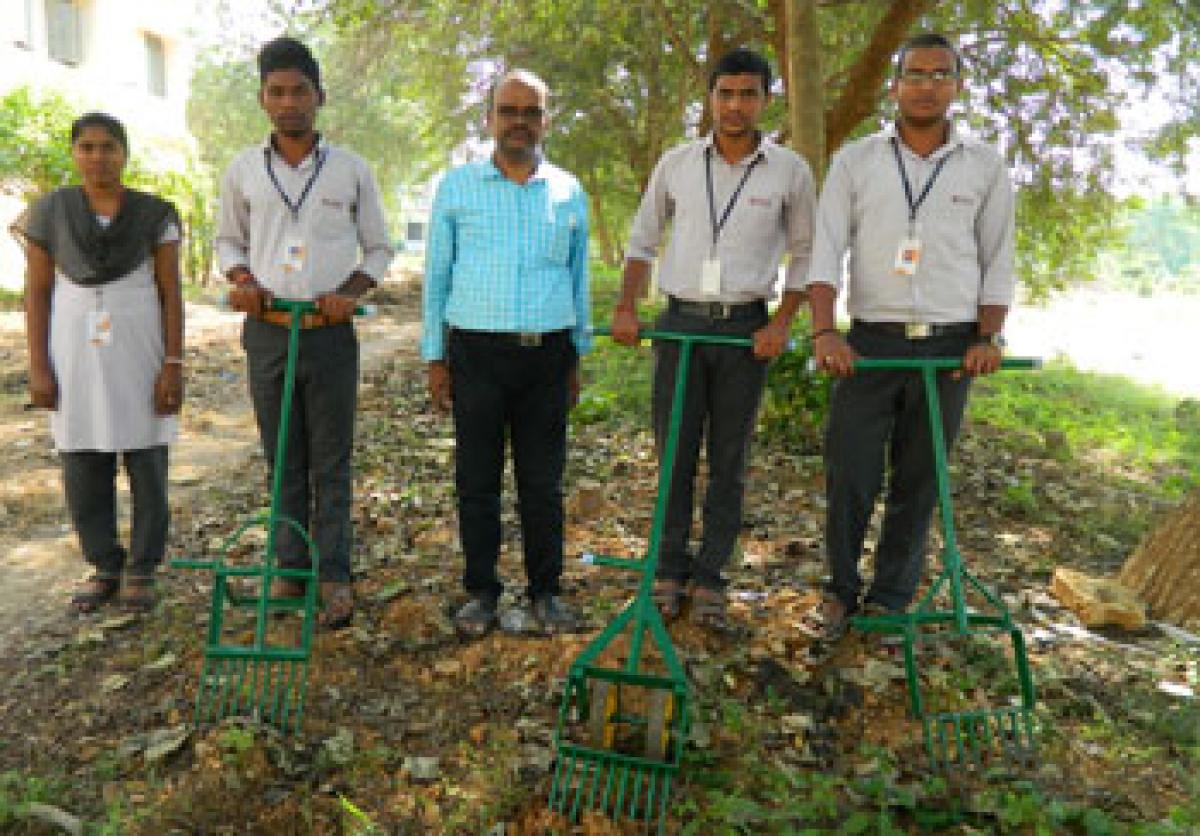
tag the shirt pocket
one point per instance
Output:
(334, 218)
(556, 235)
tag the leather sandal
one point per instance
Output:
(828, 620)
(708, 609)
(97, 591)
(668, 596)
(337, 605)
(138, 594)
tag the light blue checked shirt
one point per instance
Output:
(504, 256)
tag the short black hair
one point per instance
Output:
(95, 119)
(286, 53)
(928, 40)
(741, 61)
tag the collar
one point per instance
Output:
(954, 138)
(321, 147)
(542, 172)
(761, 153)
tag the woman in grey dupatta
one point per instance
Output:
(104, 317)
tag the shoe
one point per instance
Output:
(518, 620)
(554, 615)
(708, 609)
(97, 591)
(337, 605)
(476, 618)
(827, 621)
(138, 595)
(668, 596)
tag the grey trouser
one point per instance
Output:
(317, 469)
(878, 420)
(724, 388)
(89, 478)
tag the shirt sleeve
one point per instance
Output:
(995, 229)
(439, 261)
(832, 231)
(233, 221)
(581, 335)
(32, 226)
(802, 205)
(373, 237)
(653, 212)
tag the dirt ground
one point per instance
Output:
(409, 730)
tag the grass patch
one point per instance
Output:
(11, 300)
(1107, 417)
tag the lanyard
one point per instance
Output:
(913, 206)
(718, 225)
(294, 208)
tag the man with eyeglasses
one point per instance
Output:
(926, 216)
(506, 316)
(735, 202)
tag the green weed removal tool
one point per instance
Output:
(621, 729)
(265, 677)
(970, 732)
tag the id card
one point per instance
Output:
(710, 277)
(908, 256)
(99, 328)
(294, 255)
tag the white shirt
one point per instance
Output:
(773, 214)
(965, 226)
(316, 250)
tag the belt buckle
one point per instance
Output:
(917, 330)
(528, 339)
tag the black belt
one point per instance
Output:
(717, 310)
(525, 339)
(917, 330)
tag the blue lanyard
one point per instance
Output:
(913, 206)
(718, 225)
(294, 208)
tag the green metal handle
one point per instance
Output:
(938, 363)
(307, 306)
(185, 563)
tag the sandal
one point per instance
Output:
(337, 605)
(97, 591)
(827, 621)
(708, 609)
(139, 594)
(668, 597)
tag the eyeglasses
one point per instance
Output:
(532, 113)
(931, 76)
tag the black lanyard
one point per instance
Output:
(913, 206)
(718, 225)
(294, 208)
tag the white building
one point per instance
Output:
(130, 58)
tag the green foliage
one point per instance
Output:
(35, 132)
(1107, 415)
(796, 398)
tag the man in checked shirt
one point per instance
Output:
(506, 314)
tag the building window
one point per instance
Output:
(20, 27)
(156, 66)
(64, 31)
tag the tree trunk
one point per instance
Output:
(1165, 569)
(806, 101)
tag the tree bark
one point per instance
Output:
(805, 92)
(865, 79)
(1164, 571)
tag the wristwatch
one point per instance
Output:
(995, 340)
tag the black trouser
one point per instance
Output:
(317, 469)
(503, 389)
(880, 419)
(724, 388)
(90, 481)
